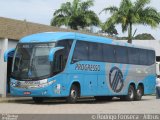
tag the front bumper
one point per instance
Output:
(51, 90)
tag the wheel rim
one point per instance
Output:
(73, 94)
(139, 92)
(131, 94)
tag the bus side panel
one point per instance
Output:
(149, 84)
(87, 74)
(103, 88)
(117, 79)
(74, 78)
(89, 85)
(149, 78)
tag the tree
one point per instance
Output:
(75, 14)
(144, 36)
(128, 14)
(111, 30)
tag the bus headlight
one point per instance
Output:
(12, 84)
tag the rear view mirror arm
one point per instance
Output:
(6, 54)
(52, 52)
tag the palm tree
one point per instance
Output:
(75, 14)
(130, 13)
(111, 30)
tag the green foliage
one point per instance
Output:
(129, 13)
(110, 31)
(75, 14)
(144, 36)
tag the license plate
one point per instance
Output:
(27, 93)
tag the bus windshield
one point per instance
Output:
(31, 61)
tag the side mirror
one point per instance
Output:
(8, 53)
(52, 52)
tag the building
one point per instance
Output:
(12, 30)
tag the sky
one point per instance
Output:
(41, 11)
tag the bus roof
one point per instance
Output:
(47, 37)
(56, 36)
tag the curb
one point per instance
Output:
(12, 99)
(4, 100)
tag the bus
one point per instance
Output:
(73, 65)
(157, 67)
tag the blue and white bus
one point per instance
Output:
(72, 65)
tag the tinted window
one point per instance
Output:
(121, 54)
(67, 46)
(61, 56)
(59, 62)
(143, 58)
(81, 51)
(151, 57)
(108, 53)
(133, 55)
(95, 52)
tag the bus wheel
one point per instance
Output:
(131, 93)
(74, 93)
(37, 99)
(139, 93)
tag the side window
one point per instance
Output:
(133, 55)
(58, 63)
(80, 51)
(61, 56)
(95, 52)
(151, 57)
(66, 44)
(143, 57)
(108, 53)
(121, 54)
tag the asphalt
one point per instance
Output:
(25, 105)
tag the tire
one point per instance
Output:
(139, 93)
(38, 100)
(73, 95)
(131, 94)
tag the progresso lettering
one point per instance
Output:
(87, 67)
